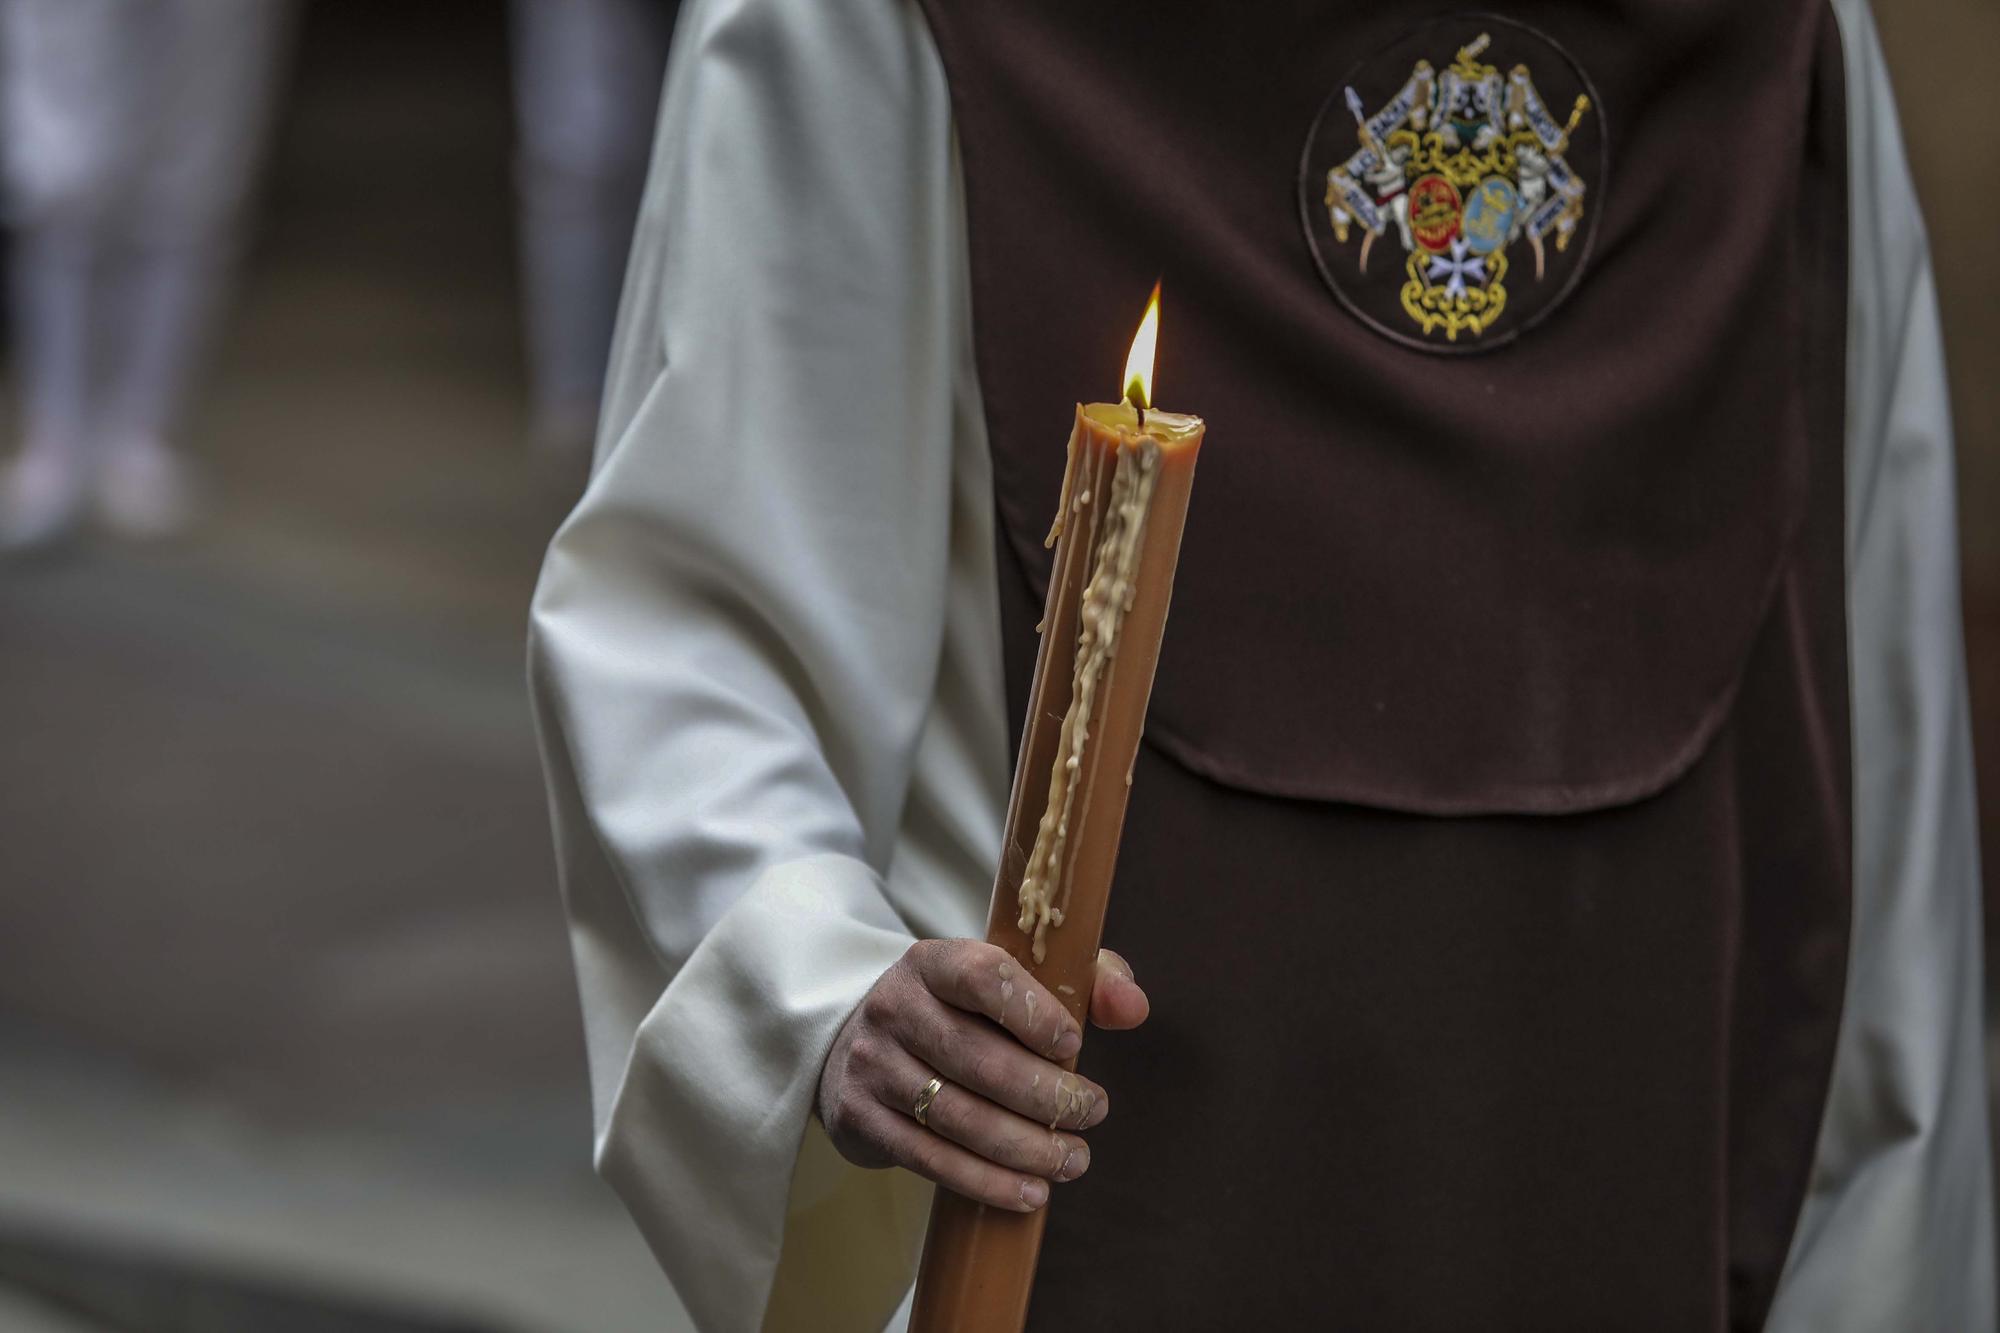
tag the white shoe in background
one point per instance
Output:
(146, 489)
(42, 496)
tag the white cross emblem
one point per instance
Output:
(1456, 268)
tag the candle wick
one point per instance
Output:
(1140, 408)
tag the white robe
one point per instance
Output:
(766, 656)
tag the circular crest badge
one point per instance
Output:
(1450, 185)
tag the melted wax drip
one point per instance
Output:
(1106, 599)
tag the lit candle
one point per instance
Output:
(1117, 538)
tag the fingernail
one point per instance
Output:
(1034, 1193)
(1068, 1044)
(1075, 1162)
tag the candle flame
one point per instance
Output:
(1139, 364)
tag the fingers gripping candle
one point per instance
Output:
(1117, 536)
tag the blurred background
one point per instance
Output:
(288, 1039)
(288, 1032)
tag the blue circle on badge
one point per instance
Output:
(1490, 210)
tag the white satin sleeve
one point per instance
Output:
(765, 648)
(1897, 1230)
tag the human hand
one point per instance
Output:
(966, 1012)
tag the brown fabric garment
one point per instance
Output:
(1488, 861)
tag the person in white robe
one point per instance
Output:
(766, 674)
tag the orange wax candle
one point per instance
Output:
(1117, 537)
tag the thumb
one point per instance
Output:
(1116, 1002)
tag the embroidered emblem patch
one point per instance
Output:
(1450, 206)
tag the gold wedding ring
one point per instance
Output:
(928, 1095)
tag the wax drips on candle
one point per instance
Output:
(1106, 598)
(1074, 1101)
(1068, 502)
(1063, 511)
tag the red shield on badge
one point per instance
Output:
(1434, 212)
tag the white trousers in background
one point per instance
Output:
(129, 135)
(587, 76)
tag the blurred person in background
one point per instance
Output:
(130, 135)
(587, 79)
